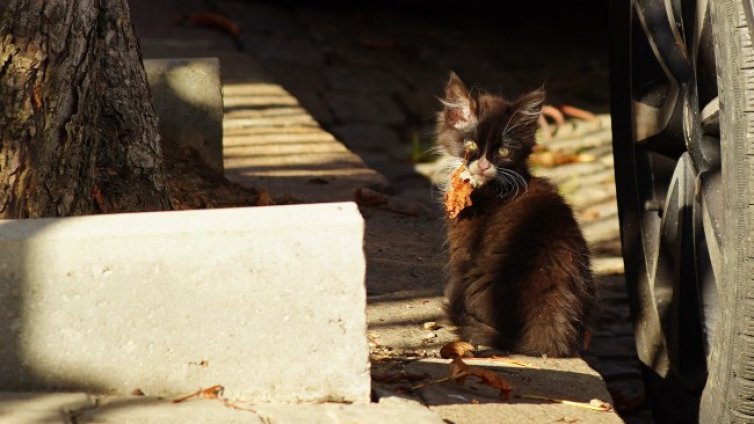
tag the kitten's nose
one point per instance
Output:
(483, 164)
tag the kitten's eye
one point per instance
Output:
(503, 151)
(469, 145)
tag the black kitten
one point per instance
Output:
(519, 269)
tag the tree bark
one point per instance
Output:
(78, 132)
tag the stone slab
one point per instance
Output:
(268, 302)
(187, 95)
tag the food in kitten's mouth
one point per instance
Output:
(459, 195)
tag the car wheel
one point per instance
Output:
(682, 104)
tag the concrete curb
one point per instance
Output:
(268, 302)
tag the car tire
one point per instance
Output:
(693, 311)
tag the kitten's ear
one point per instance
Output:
(459, 111)
(528, 107)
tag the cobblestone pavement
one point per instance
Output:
(372, 79)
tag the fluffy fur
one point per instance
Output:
(519, 274)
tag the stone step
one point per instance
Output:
(267, 301)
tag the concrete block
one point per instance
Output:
(188, 97)
(268, 302)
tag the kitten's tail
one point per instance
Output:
(473, 330)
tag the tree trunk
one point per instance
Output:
(78, 132)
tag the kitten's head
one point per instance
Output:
(491, 136)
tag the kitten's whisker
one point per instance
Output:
(510, 181)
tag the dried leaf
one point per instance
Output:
(550, 159)
(187, 397)
(457, 350)
(214, 20)
(590, 214)
(214, 392)
(575, 112)
(553, 113)
(459, 195)
(459, 370)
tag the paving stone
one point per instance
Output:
(362, 80)
(388, 166)
(187, 95)
(371, 137)
(386, 411)
(313, 103)
(601, 230)
(257, 17)
(607, 266)
(571, 170)
(374, 108)
(589, 195)
(288, 49)
(296, 78)
(355, 51)
(423, 103)
(580, 142)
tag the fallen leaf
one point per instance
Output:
(459, 196)
(459, 370)
(457, 350)
(214, 392)
(214, 20)
(575, 112)
(554, 113)
(551, 159)
(590, 214)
